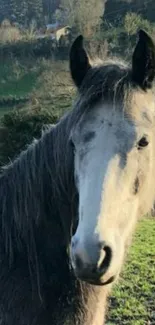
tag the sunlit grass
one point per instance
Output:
(133, 299)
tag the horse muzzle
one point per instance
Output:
(91, 262)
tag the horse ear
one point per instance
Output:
(143, 61)
(79, 62)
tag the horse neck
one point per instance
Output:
(36, 191)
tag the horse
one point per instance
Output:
(70, 202)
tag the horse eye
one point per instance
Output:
(143, 142)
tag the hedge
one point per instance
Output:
(18, 129)
(44, 47)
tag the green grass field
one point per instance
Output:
(133, 299)
(16, 79)
(20, 79)
(20, 87)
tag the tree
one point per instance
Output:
(88, 15)
(84, 14)
(19, 11)
(133, 22)
(117, 9)
(49, 8)
(4, 9)
(35, 10)
(24, 11)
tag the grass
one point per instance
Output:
(133, 300)
(20, 87)
(44, 81)
(17, 78)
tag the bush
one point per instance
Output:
(8, 33)
(121, 37)
(19, 128)
(25, 48)
(133, 22)
(45, 47)
(54, 80)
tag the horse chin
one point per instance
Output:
(98, 282)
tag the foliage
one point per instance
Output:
(117, 9)
(121, 37)
(19, 128)
(34, 47)
(50, 98)
(121, 20)
(133, 21)
(54, 80)
(29, 33)
(17, 79)
(18, 11)
(82, 15)
(22, 11)
(9, 33)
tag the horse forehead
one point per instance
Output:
(108, 116)
(122, 116)
(103, 119)
(141, 107)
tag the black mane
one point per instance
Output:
(36, 194)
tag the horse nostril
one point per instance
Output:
(90, 261)
(105, 259)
